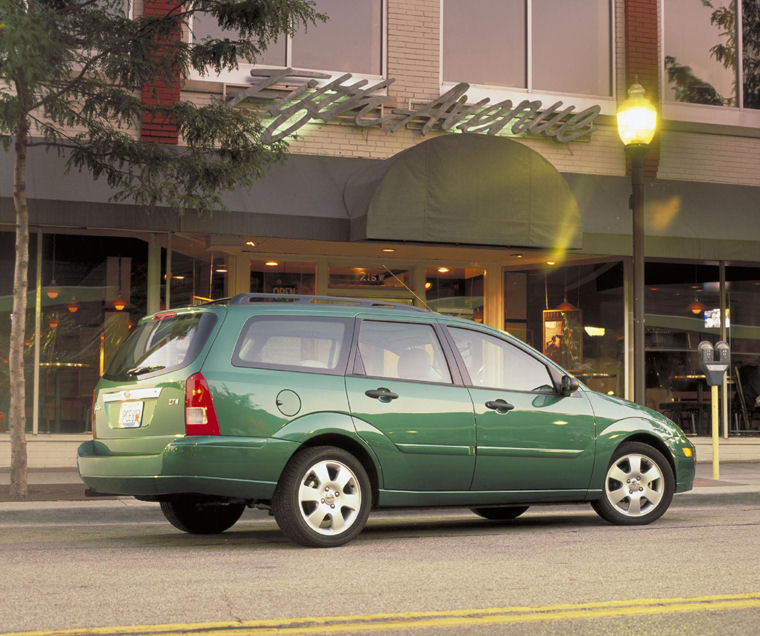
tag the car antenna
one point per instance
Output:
(409, 289)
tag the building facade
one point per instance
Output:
(460, 155)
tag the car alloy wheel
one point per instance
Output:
(323, 497)
(638, 486)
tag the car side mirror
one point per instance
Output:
(568, 385)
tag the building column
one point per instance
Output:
(493, 306)
(154, 274)
(238, 274)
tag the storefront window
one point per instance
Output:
(683, 308)
(574, 315)
(7, 261)
(455, 291)
(700, 41)
(195, 280)
(743, 291)
(282, 277)
(93, 290)
(567, 49)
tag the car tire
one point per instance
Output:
(323, 497)
(638, 486)
(500, 513)
(198, 516)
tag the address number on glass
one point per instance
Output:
(130, 414)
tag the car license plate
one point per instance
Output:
(130, 414)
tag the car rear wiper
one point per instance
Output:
(141, 370)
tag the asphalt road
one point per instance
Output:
(555, 570)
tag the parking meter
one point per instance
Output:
(714, 361)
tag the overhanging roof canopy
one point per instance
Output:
(470, 189)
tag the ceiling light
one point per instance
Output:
(271, 263)
(251, 243)
(52, 291)
(696, 307)
(443, 270)
(388, 250)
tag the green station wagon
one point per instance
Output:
(322, 409)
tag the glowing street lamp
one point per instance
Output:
(637, 122)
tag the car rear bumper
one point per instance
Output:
(239, 467)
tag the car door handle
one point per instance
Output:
(499, 405)
(384, 395)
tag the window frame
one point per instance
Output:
(340, 367)
(240, 76)
(496, 93)
(704, 113)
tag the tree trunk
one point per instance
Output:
(18, 477)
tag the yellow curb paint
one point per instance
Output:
(431, 619)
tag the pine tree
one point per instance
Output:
(72, 77)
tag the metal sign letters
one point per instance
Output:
(298, 99)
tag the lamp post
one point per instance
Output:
(637, 120)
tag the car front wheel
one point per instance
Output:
(638, 486)
(198, 516)
(323, 497)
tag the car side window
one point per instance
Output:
(308, 343)
(494, 363)
(402, 350)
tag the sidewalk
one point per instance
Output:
(739, 469)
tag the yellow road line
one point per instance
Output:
(431, 619)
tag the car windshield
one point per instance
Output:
(165, 343)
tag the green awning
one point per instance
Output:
(465, 189)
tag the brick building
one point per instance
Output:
(481, 174)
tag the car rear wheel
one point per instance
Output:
(638, 486)
(501, 513)
(323, 497)
(198, 516)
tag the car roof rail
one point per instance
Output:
(245, 299)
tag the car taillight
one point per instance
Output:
(200, 416)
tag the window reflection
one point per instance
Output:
(282, 277)
(455, 291)
(351, 40)
(569, 44)
(574, 315)
(475, 51)
(700, 52)
(701, 46)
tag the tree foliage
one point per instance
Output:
(690, 88)
(74, 76)
(75, 69)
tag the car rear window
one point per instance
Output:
(165, 343)
(308, 343)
